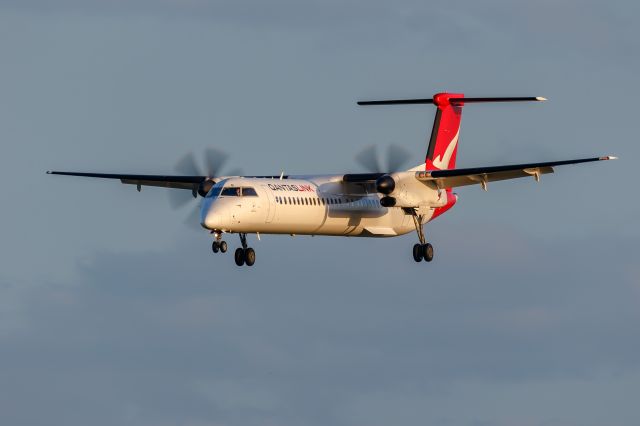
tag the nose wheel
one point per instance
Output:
(423, 250)
(244, 255)
(219, 246)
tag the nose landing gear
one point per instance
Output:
(244, 255)
(423, 250)
(218, 244)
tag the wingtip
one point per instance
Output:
(609, 157)
(541, 99)
(48, 172)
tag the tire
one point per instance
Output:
(427, 251)
(418, 253)
(250, 256)
(239, 256)
(215, 246)
(223, 246)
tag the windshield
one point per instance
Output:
(232, 191)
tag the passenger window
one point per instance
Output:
(249, 192)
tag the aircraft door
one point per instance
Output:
(270, 205)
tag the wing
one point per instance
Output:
(482, 175)
(165, 181)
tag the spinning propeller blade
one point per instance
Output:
(214, 159)
(368, 159)
(397, 157)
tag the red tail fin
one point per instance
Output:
(443, 146)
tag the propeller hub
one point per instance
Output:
(385, 184)
(205, 186)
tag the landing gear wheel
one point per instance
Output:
(239, 256)
(418, 252)
(223, 246)
(215, 246)
(427, 251)
(249, 256)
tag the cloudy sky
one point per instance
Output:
(113, 312)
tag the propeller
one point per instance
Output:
(396, 158)
(214, 161)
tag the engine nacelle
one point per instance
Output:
(387, 201)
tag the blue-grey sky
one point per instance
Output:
(113, 312)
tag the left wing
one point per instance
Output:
(481, 175)
(165, 181)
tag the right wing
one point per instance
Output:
(481, 175)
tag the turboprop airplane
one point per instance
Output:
(383, 203)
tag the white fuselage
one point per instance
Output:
(312, 205)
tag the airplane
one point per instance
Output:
(381, 203)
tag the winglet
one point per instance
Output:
(541, 99)
(608, 157)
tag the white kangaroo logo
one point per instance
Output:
(442, 163)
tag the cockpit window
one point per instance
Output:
(239, 191)
(249, 192)
(231, 192)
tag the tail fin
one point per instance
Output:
(443, 145)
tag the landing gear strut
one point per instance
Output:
(244, 255)
(423, 250)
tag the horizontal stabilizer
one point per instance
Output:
(452, 100)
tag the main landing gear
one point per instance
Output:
(244, 255)
(423, 250)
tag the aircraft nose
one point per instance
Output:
(204, 214)
(210, 217)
